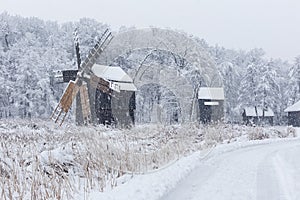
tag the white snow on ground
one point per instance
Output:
(254, 172)
(38, 160)
(154, 184)
(267, 169)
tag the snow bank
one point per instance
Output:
(41, 160)
(154, 184)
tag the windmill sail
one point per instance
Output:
(85, 104)
(95, 52)
(65, 103)
(80, 85)
(100, 84)
(77, 49)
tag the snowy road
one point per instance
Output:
(268, 171)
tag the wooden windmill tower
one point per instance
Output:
(100, 96)
(80, 84)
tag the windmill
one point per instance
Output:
(78, 81)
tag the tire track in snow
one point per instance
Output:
(276, 177)
(285, 181)
(255, 172)
(267, 184)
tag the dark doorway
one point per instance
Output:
(103, 108)
(205, 112)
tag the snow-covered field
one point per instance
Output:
(261, 169)
(258, 171)
(41, 161)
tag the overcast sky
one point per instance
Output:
(273, 25)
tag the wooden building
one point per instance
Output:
(258, 116)
(294, 114)
(116, 106)
(211, 104)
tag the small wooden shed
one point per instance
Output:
(211, 104)
(294, 114)
(258, 116)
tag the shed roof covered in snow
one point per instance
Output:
(115, 74)
(211, 93)
(258, 112)
(293, 108)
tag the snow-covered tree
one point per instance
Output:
(294, 82)
(248, 87)
(231, 87)
(30, 49)
(268, 88)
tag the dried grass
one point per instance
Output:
(41, 161)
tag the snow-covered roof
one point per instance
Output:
(268, 113)
(111, 73)
(211, 93)
(127, 86)
(115, 74)
(251, 112)
(293, 108)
